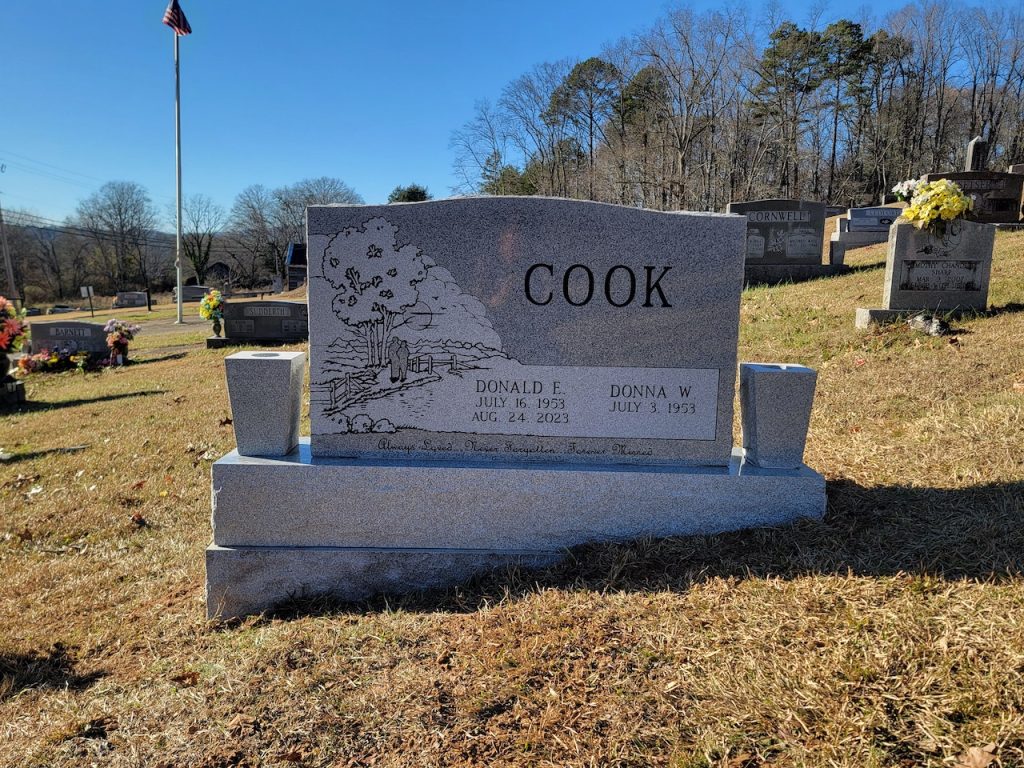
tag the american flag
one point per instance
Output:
(174, 18)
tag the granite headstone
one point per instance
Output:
(537, 329)
(925, 272)
(782, 231)
(130, 299)
(191, 292)
(997, 197)
(69, 336)
(265, 321)
(494, 380)
(977, 149)
(876, 219)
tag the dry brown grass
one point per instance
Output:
(888, 635)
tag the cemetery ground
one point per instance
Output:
(890, 634)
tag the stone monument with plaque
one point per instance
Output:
(861, 227)
(262, 323)
(784, 240)
(945, 274)
(493, 380)
(69, 336)
(996, 198)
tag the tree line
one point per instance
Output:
(705, 108)
(113, 240)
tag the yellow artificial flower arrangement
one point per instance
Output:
(212, 306)
(936, 203)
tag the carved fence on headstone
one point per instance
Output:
(427, 363)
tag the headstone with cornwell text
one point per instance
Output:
(69, 336)
(493, 380)
(262, 322)
(945, 274)
(996, 198)
(784, 240)
(861, 227)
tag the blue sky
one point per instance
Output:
(272, 92)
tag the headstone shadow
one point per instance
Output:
(974, 534)
(54, 670)
(1006, 309)
(49, 406)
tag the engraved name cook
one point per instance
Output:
(575, 331)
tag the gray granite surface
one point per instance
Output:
(310, 501)
(254, 321)
(554, 330)
(247, 580)
(72, 335)
(265, 389)
(775, 412)
(998, 198)
(782, 231)
(938, 273)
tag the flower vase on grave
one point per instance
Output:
(216, 327)
(5, 366)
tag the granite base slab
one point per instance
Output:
(865, 318)
(300, 500)
(774, 274)
(219, 342)
(245, 580)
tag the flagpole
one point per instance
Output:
(177, 158)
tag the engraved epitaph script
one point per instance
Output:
(511, 329)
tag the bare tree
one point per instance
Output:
(120, 218)
(202, 221)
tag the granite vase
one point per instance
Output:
(265, 389)
(775, 403)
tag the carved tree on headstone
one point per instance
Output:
(375, 281)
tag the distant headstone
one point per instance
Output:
(191, 292)
(997, 197)
(861, 227)
(263, 322)
(70, 336)
(834, 210)
(977, 149)
(877, 219)
(1017, 168)
(783, 231)
(784, 240)
(939, 274)
(493, 380)
(130, 299)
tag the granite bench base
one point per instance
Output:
(774, 274)
(841, 242)
(299, 525)
(219, 342)
(865, 318)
